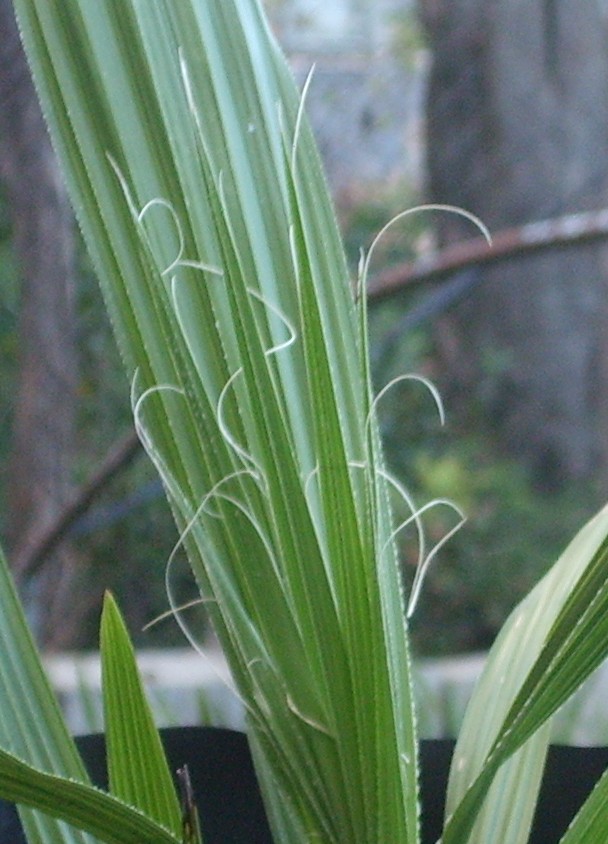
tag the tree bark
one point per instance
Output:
(39, 471)
(517, 130)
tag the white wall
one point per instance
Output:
(365, 102)
(318, 26)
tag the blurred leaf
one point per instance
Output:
(31, 724)
(591, 821)
(551, 643)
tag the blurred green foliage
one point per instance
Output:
(409, 37)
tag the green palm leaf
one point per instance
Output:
(43, 771)
(106, 818)
(138, 770)
(591, 822)
(548, 647)
(200, 194)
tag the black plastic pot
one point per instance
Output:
(231, 807)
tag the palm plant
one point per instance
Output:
(199, 191)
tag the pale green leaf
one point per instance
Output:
(551, 643)
(591, 821)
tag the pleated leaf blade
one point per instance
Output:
(138, 770)
(549, 646)
(202, 200)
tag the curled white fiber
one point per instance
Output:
(224, 428)
(451, 209)
(230, 439)
(145, 438)
(415, 519)
(139, 218)
(178, 260)
(423, 569)
(176, 609)
(419, 379)
(300, 117)
(310, 722)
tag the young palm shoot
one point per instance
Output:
(199, 191)
(201, 198)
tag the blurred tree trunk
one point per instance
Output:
(517, 130)
(38, 478)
